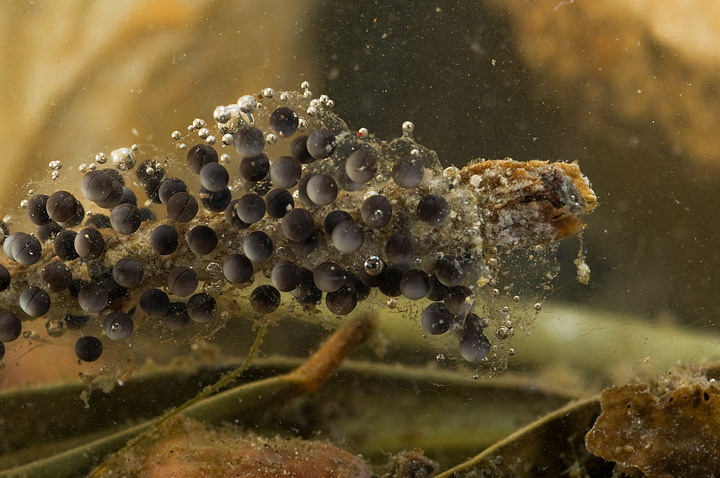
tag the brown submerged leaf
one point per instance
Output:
(676, 434)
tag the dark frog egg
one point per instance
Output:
(214, 177)
(285, 172)
(88, 348)
(164, 239)
(202, 240)
(55, 277)
(254, 168)
(118, 325)
(361, 166)
(62, 206)
(182, 281)
(348, 236)
(238, 269)
(376, 211)
(200, 155)
(258, 246)
(284, 122)
(128, 272)
(249, 141)
(474, 347)
(10, 327)
(34, 301)
(407, 172)
(322, 189)
(37, 210)
(155, 303)
(433, 209)
(436, 319)
(298, 224)
(125, 218)
(265, 299)
(250, 208)
(285, 276)
(321, 144)
(89, 243)
(202, 307)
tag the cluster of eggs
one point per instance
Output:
(329, 219)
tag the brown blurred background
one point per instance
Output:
(631, 91)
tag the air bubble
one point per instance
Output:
(373, 266)
(123, 159)
(101, 158)
(56, 327)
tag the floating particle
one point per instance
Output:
(202, 240)
(118, 325)
(10, 327)
(155, 303)
(258, 246)
(55, 277)
(284, 121)
(254, 168)
(407, 172)
(433, 209)
(250, 208)
(200, 155)
(285, 172)
(164, 239)
(34, 301)
(202, 307)
(376, 211)
(238, 269)
(88, 348)
(128, 272)
(278, 202)
(182, 281)
(125, 218)
(265, 299)
(361, 166)
(321, 144)
(89, 243)
(249, 142)
(436, 319)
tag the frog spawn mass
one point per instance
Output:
(299, 212)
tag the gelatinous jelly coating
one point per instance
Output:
(321, 225)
